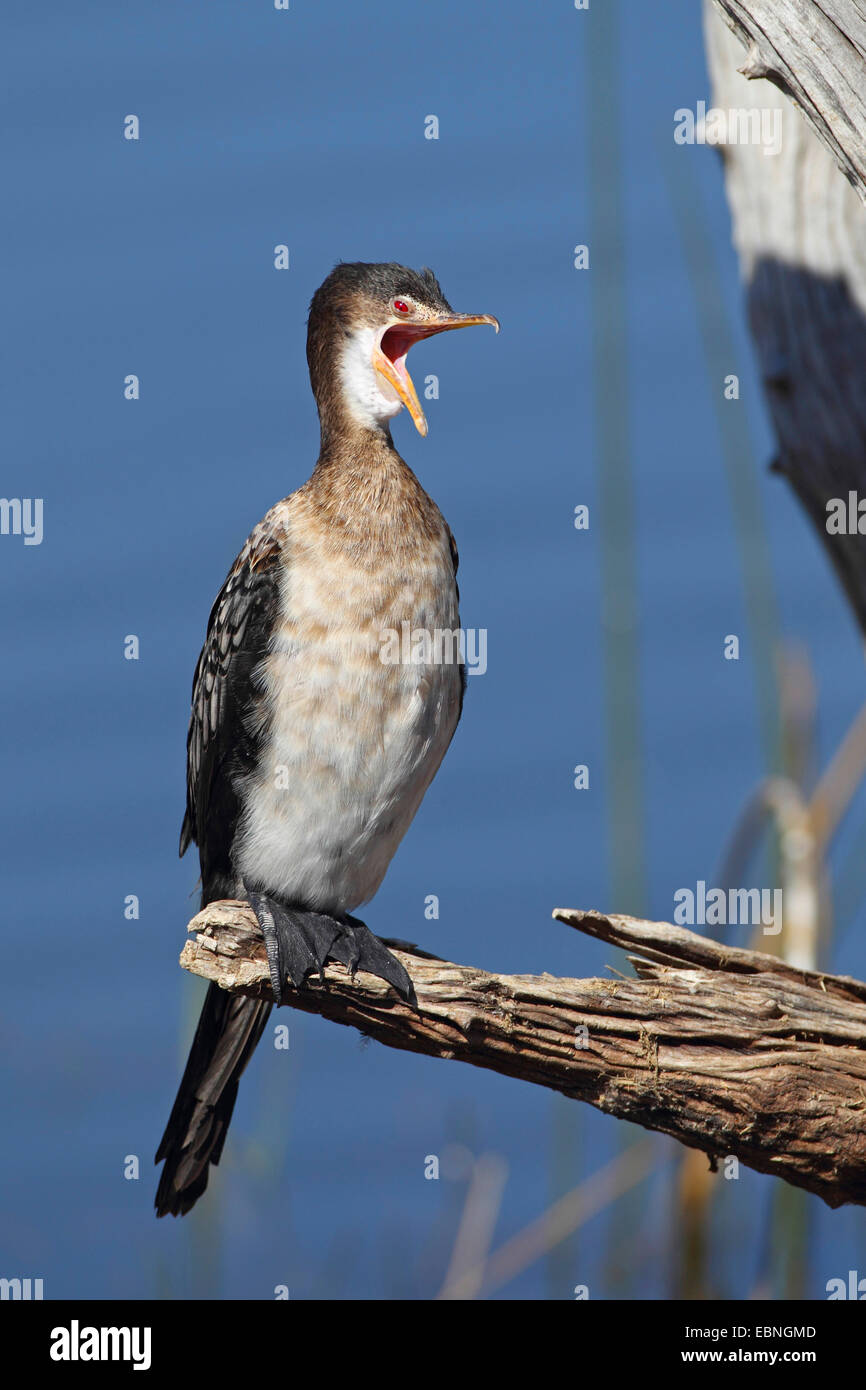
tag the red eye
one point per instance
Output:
(401, 306)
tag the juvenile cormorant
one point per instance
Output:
(307, 754)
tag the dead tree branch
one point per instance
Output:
(727, 1050)
(800, 232)
(815, 53)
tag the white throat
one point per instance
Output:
(371, 399)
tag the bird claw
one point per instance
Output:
(299, 942)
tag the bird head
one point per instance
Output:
(363, 321)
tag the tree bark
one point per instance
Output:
(815, 53)
(800, 230)
(728, 1050)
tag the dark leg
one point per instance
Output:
(299, 942)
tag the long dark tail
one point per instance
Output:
(228, 1030)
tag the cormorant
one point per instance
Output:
(307, 753)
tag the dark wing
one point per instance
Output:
(455, 560)
(225, 727)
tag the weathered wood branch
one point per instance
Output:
(800, 231)
(814, 52)
(728, 1050)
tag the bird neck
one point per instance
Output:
(370, 497)
(345, 439)
(350, 451)
(354, 402)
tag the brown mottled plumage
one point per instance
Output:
(309, 753)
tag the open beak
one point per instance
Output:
(389, 356)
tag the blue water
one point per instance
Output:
(155, 257)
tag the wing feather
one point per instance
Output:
(226, 716)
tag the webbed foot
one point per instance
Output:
(298, 943)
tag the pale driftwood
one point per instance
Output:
(800, 231)
(730, 1051)
(815, 52)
